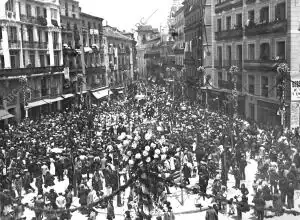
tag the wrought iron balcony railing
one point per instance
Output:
(279, 26)
(229, 34)
(30, 71)
(261, 64)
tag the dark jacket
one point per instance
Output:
(211, 214)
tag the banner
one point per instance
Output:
(67, 73)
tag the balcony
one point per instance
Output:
(14, 44)
(228, 5)
(279, 26)
(43, 45)
(30, 44)
(229, 34)
(223, 84)
(94, 70)
(30, 71)
(54, 92)
(35, 95)
(28, 19)
(264, 65)
(10, 15)
(248, 2)
(226, 64)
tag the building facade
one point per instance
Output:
(120, 56)
(179, 37)
(30, 57)
(144, 34)
(198, 50)
(256, 36)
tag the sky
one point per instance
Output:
(125, 14)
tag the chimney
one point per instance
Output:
(106, 23)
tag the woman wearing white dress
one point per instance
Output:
(52, 167)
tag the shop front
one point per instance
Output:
(267, 113)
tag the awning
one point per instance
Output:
(55, 100)
(102, 93)
(88, 50)
(5, 115)
(37, 103)
(65, 96)
(83, 92)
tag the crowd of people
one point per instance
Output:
(88, 148)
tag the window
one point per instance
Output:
(251, 51)
(32, 59)
(83, 23)
(48, 59)
(46, 37)
(39, 35)
(239, 54)
(12, 34)
(56, 58)
(228, 23)
(238, 21)
(30, 34)
(250, 18)
(252, 111)
(228, 55)
(45, 12)
(53, 14)
(28, 11)
(265, 51)
(264, 15)
(220, 58)
(9, 6)
(73, 8)
(280, 53)
(264, 86)
(280, 12)
(13, 61)
(38, 11)
(219, 25)
(220, 79)
(42, 60)
(66, 9)
(251, 84)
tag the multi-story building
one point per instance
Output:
(120, 55)
(95, 69)
(255, 36)
(72, 55)
(145, 33)
(30, 51)
(179, 37)
(198, 33)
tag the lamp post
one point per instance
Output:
(23, 81)
(281, 82)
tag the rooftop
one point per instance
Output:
(113, 32)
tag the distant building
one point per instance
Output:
(120, 56)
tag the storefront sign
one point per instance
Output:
(295, 91)
(297, 199)
(295, 114)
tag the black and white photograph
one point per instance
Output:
(149, 109)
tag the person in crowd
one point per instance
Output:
(211, 214)
(259, 203)
(110, 210)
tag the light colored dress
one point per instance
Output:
(52, 169)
